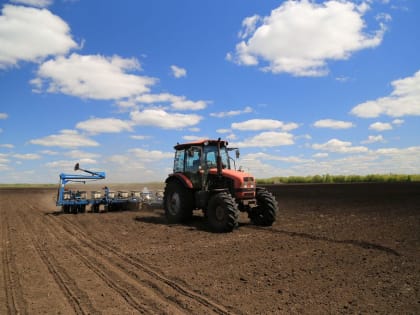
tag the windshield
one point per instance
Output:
(210, 155)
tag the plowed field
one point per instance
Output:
(335, 249)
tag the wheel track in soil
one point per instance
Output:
(157, 277)
(77, 298)
(15, 302)
(179, 295)
(106, 275)
(113, 281)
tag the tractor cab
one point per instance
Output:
(199, 159)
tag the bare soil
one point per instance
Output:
(335, 249)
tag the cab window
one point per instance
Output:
(179, 161)
(193, 162)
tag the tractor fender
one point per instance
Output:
(180, 177)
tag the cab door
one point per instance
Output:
(193, 167)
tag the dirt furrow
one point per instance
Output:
(77, 298)
(180, 294)
(130, 292)
(15, 303)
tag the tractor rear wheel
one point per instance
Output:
(178, 203)
(264, 214)
(222, 212)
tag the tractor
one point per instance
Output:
(205, 177)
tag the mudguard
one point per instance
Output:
(182, 178)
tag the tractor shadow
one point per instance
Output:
(157, 217)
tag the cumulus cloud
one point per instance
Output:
(373, 139)
(92, 76)
(333, 124)
(162, 119)
(139, 137)
(69, 164)
(79, 155)
(177, 102)
(338, 146)
(65, 139)
(194, 138)
(266, 139)
(105, 125)
(3, 116)
(27, 156)
(7, 145)
(299, 37)
(31, 34)
(34, 3)
(398, 122)
(380, 126)
(231, 113)
(270, 157)
(178, 72)
(264, 124)
(150, 155)
(403, 101)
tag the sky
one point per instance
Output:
(301, 87)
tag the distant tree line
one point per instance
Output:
(327, 178)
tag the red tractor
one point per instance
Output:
(205, 177)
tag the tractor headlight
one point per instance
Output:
(248, 182)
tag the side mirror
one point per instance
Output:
(76, 167)
(237, 153)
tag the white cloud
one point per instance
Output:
(27, 156)
(194, 138)
(178, 72)
(189, 105)
(139, 137)
(266, 139)
(338, 146)
(92, 76)
(403, 101)
(34, 3)
(150, 155)
(82, 155)
(380, 126)
(7, 145)
(398, 122)
(374, 139)
(230, 113)
(105, 125)
(269, 157)
(3, 116)
(299, 37)
(249, 25)
(31, 34)
(177, 102)
(162, 119)
(49, 152)
(264, 124)
(333, 124)
(320, 155)
(69, 164)
(65, 139)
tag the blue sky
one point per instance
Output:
(302, 87)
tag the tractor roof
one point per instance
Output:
(201, 142)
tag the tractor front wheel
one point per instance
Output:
(264, 214)
(178, 203)
(222, 212)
